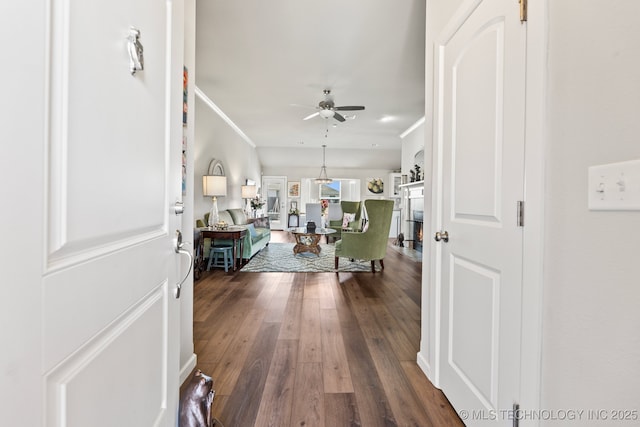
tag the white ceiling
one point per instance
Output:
(265, 64)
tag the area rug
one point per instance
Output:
(279, 257)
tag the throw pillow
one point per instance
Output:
(347, 218)
(252, 230)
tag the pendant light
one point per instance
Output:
(323, 179)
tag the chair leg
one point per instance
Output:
(336, 263)
(373, 266)
(381, 265)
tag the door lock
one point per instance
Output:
(442, 235)
(178, 208)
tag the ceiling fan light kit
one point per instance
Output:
(327, 113)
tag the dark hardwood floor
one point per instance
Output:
(316, 349)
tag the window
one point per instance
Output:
(330, 191)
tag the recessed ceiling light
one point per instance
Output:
(386, 119)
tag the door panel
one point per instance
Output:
(106, 162)
(481, 140)
(475, 125)
(110, 344)
(134, 343)
(473, 326)
(103, 300)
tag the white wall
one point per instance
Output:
(411, 144)
(215, 139)
(591, 345)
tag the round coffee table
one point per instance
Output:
(307, 240)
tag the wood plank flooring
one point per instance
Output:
(316, 349)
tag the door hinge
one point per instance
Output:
(523, 10)
(516, 415)
(520, 213)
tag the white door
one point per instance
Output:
(480, 140)
(109, 174)
(274, 193)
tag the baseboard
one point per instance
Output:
(188, 367)
(425, 367)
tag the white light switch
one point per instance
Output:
(615, 187)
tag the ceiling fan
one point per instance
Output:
(327, 109)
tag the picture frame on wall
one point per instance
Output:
(375, 185)
(185, 95)
(293, 188)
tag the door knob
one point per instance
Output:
(442, 235)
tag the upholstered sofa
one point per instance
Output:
(257, 237)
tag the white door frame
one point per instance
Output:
(534, 215)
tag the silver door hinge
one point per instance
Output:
(520, 213)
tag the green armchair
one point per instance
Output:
(347, 207)
(371, 243)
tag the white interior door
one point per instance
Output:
(110, 323)
(480, 137)
(274, 192)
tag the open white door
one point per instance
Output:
(107, 174)
(274, 192)
(480, 137)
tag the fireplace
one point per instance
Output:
(418, 219)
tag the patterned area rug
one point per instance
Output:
(279, 257)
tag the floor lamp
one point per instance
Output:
(249, 192)
(214, 186)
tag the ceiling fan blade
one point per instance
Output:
(309, 107)
(310, 116)
(338, 117)
(350, 108)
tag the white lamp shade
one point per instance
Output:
(214, 185)
(249, 191)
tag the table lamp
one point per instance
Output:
(214, 186)
(249, 192)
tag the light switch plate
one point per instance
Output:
(615, 186)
